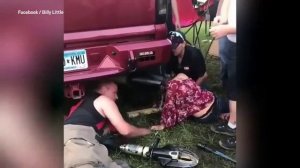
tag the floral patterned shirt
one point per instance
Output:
(183, 99)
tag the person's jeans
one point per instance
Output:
(228, 66)
(222, 45)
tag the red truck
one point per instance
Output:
(112, 37)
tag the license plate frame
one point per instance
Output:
(75, 60)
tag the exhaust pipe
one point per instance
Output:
(146, 81)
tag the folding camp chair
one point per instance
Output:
(207, 10)
(189, 18)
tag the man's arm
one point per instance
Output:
(223, 30)
(111, 111)
(219, 7)
(224, 9)
(170, 66)
(219, 19)
(199, 67)
(201, 79)
(176, 15)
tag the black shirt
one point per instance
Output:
(192, 64)
(86, 114)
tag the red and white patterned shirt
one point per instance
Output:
(183, 99)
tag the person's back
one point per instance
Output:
(86, 114)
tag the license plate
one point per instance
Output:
(75, 60)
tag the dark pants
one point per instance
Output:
(221, 105)
(169, 17)
(228, 67)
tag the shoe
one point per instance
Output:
(229, 143)
(223, 128)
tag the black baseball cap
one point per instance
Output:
(176, 37)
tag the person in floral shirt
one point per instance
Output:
(185, 99)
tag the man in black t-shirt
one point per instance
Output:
(81, 129)
(186, 59)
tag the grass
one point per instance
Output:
(185, 135)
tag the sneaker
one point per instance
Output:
(229, 143)
(223, 128)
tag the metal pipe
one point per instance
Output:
(146, 81)
(216, 152)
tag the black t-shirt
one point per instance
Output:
(192, 64)
(86, 114)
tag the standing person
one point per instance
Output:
(81, 147)
(228, 68)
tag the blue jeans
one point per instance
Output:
(228, 66)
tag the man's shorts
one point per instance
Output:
(82, 150)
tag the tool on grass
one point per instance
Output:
(215, 152)
(168, 156)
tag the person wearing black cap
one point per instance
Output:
(186, 59)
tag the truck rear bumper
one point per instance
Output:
(120, 58)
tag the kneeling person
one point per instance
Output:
(81, 129)
(185, 99)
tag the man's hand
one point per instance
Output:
(165, 81)
(157, 127)
(222, 30)
(202, 79)
(219, 31)
(177, 25)
(146, 131)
